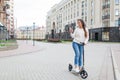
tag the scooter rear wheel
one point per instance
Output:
(70, 67)
(83, 74)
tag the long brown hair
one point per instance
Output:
(83, 26)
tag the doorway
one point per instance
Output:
(96, 36)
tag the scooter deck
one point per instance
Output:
(74, 72)
(82, 73)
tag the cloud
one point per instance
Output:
(29, 11)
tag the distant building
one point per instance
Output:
(95, 13)
(40, 33)
(29, 33)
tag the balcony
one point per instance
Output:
(7, 12)
(106, 17)
(106, 6)
(2, 9)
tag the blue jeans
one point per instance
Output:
(78, 49)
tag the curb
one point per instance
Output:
(115, 67)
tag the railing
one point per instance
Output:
(106, 17)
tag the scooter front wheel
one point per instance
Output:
(83, 74)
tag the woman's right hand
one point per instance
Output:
(70, 30)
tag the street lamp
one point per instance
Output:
(33, 33)
(91, 33)
(27, 34)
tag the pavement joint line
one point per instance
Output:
(115, 67)
(22, 53)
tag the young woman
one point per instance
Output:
(80, 38)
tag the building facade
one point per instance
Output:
(10, 18)
(3, 19)
(6, 19)
(95, 13)
(29, 33)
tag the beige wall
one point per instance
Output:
(39, 33)
(70, 7)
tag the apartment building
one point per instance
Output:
(3, 19)
(10, 18)
(95, 13)
(6, 19)
(68, 11)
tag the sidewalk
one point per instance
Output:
(23, 48)
(116, 59)
(48, 61)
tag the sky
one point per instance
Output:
(28, 11)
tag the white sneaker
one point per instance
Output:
(74, 70)
(77, 70)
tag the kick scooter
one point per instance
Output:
(83, 73)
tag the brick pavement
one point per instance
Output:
(23, 48)
(49, 61)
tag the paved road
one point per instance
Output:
(115, 49)
(49, 61)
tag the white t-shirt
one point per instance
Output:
(79, 36)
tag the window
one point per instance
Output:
(75, 1)
(92, 13)
(66, 6)
(78, 6)
(82, 18)
(77, 13)
(105, 36)
(86, 3)
(92, 3)
(86, 18)
(119, 22)
(116, 22)
(108, 2)
(71, 9)
(86, 12)
(82, 13)
(68, 17)
(83, 10)
(74, 15)
(117, 12)
(71, 3)
(91, 21)
(68, 10)
(71, 16)
(82, 3)
(116, 1)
